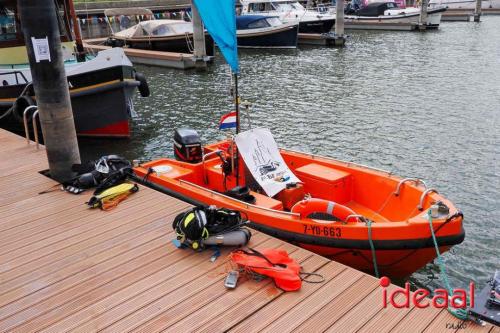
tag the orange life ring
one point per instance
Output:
(314, 205)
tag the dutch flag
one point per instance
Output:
(228, 120)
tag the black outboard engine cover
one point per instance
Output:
(187, 145)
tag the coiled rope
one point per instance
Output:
(372, 246)
(459, 313)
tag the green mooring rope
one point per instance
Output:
(459, 313)
(374, 256)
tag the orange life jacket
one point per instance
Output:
(274, 263)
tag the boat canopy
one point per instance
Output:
(127, 11)
(156, 28)
(376, 8)
(256, 21)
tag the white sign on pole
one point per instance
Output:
(41, 48)
(262, 157)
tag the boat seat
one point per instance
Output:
(266, 202)
(325, 182)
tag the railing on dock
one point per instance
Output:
(34, 118)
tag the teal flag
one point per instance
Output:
(219, 18)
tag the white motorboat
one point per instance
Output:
(289, 11)
(388, 16)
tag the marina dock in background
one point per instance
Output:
(147, 57)
(67, 267)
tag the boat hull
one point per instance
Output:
(394, 22)
(316, 27)
(178, 43)
(395, 258)
(101, 98)
(466, 4)
(402, 244)
(283, 37)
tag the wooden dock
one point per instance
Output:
(64, 267)
(353, 24)
(148, 57)
(327, 39)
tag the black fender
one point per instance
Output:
(21, 103)
(143, 85)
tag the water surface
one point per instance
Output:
(419, 104)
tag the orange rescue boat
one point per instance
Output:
(348, 212)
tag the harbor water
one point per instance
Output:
(421, 105)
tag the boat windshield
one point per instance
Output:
(274, 21)
(160, 30)
(184, 27)
(262, 23)
(287, 6)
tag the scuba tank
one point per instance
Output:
(231, 238)
(202, 226)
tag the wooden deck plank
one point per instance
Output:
(495, 329)
(64, 267)
(26, 314)
(199, 319)
(443, 321)
(294, 317)
(76, 252)
(160, 310)
(259, 300)
(179, 318)
(417, 319)
(340, 305)
(59, 270)
(73, 216)
(361, 313)
(258, 320)
(385, 319)
(91, 228)
(118, 305)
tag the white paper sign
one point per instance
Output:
(262, 157)
(41, 48)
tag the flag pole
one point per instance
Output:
(236, 102)
(237, 108)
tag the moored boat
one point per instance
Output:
(101, 86)
(155, 34)
(310, 20)
(465, 4)
(257, 31)
(386, 15)
(348, 212)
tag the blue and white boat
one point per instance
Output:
(257, 31)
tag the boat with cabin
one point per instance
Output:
(289, 11)
(387, 15)
(257, 31)
(153, 34)
(101, 86)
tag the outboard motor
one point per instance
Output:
(187, 145)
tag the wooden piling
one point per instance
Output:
(422, 22)
(339, 23)
(477, 11)
(43, 44)
(199, 52)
